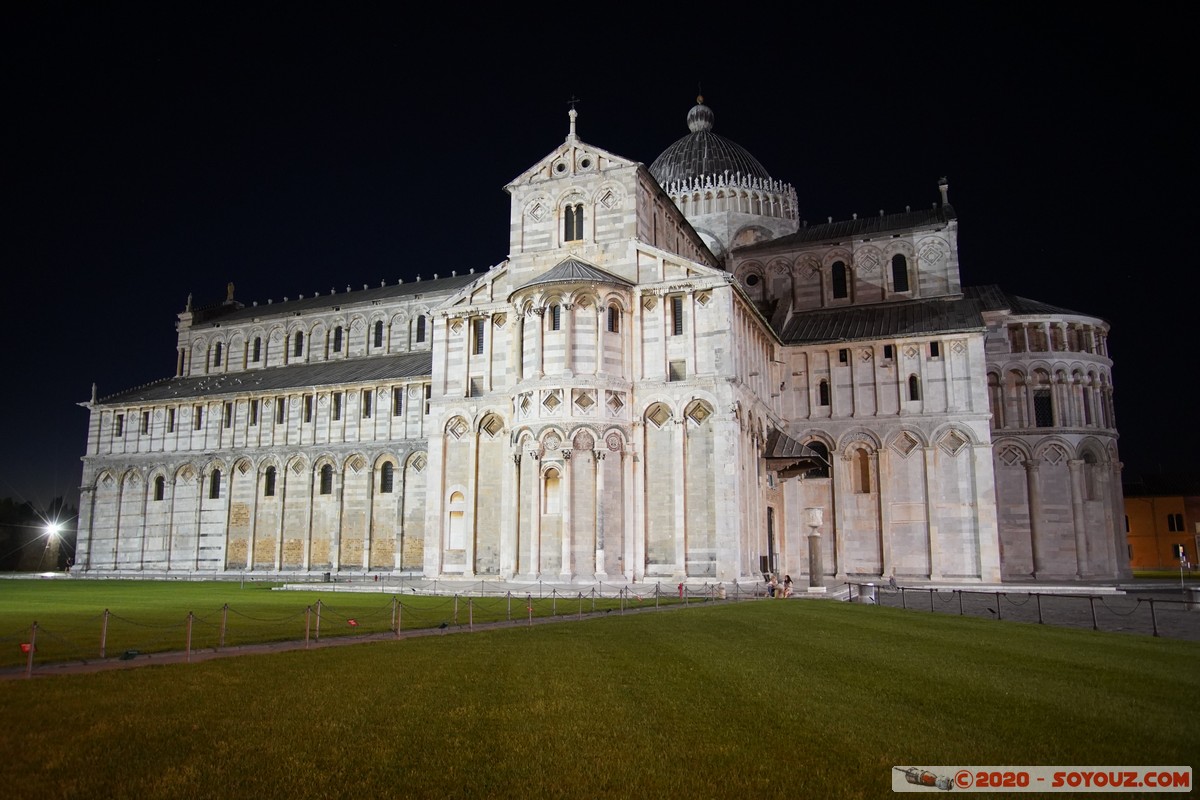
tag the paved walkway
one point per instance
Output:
(1148, 611)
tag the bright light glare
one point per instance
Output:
(53, 528)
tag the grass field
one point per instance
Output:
(801, 699)
(88, 620)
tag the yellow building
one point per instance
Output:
(1162, 522)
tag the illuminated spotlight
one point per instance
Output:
(53, 528)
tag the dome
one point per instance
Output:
(702, 153)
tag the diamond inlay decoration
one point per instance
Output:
(458, 428)
(552, 401)
(659, 415)
(958, 346)
(538, 211)
(865, 354)
(584, 401)
(614, 402)
(609, 200)
(953, 443)
(699, 412)
(491, 426)
(456, 326)
(1011, 456)
(704, 298)
(1055, 455)
(905, 444)
(910, 352)
(418, 464)
(358, 463)
(524, 404)
(243, 467)
(297, 467)
(649, 302)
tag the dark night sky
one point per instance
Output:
(151, 156)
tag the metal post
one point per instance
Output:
(1092, 602)
(188, 651)
(224, 622)
(455, 608)
(317, 637)
(554, 603)
(1039, 605)
(998, 614)
(104, 634)
(1153, 617)
(931, 602)
(903, 602)
(529, 608)
(470, 614)
(509, 611)
(32, 649)
(657, 586)
(399, 616)
(580, 605)
(593, 600)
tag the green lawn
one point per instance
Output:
(805, 699)
(153, 616)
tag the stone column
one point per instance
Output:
(1081, 547)
(601, 565)
(813, 518)
(568, 519)
(568, 332)
(539, 340)
(681, 498)
(931, 526)
(1034, 491)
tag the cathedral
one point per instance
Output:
(670, 377)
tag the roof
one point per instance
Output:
(239, 312)
(572, 270)
(294, 376)
(910, 318)
(857, 228)
(703, 152)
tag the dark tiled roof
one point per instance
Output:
(912, 318)
(439, 286)
(572, 270)
(703, 153)
(857, 228)
(992, 298)
(356, 370)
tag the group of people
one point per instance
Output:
(777, 589)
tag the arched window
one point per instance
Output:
(326, 479)
(298, 347)
(217, 354)
(379, 333)
(838, 278)
(420, 337)
(337, 339)
(551, 497)
(269, 482)
(573, 223)
(256, 356)
(214, 485)
(862, 472)
(614, 319)
(555, 317)
(914, 387)
(899, 273)
(823, 393)
(160, 487)
(822, 451)
(385, 478)
(458, 529)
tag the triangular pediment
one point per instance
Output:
(572, 158)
